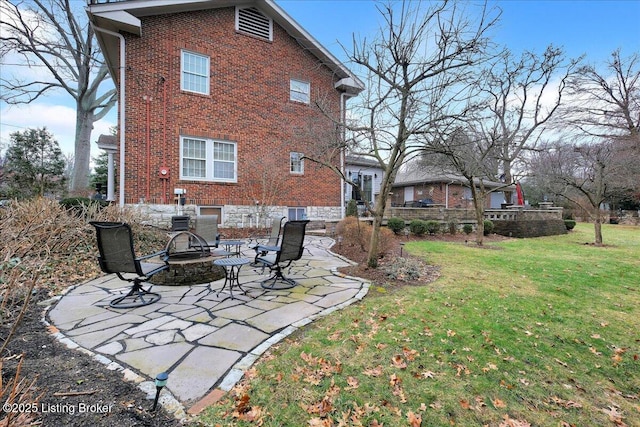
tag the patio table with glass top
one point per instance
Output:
(232, 266)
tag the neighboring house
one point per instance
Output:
(447, 190)
(367, 176)
(219, 107)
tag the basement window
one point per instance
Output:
(250, 20)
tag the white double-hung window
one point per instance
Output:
(296, 163)
(194, 72)
(208, 160)
(299, 91)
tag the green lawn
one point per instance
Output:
(534, 331)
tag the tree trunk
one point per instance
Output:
(378, 214)
(82, 157)
(597, 226)
(478, 207)
(508, 195)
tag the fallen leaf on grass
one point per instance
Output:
(615, 415)
(510, 422)
(373, 372)
(428, 374)
(498, 403)
(321, 408)
(410, 354)
(320, 422)
(565, 403)
(415, 420)
(335, 336)
(353, 383)
(398, 362)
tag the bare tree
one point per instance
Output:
(606, 103)
(605, 106)
(466, 152)
(52, 35)
(267, 183)
(587, 174)
(417, 67)
(521, 97)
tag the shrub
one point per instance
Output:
(569, 223)
(418, 227)
(488, 227)
(83, 206)
(403, 269)
(356, 233)
(385, 242)
(396, 224)
(433, 227)
(467, 228)
(452, 225)
(352, 208)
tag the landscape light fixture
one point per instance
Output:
(161, 381)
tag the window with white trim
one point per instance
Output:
(299, 91)
(297, 214)
(296, 162)
(194, 72)
(208, 160)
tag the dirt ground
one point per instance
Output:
(69, 387)
(64, 387)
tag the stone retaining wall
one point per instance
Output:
(530, 228)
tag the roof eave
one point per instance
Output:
(124, 17)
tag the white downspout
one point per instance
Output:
(343, 115)
(122, 109)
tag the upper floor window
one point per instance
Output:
(296, 162)
(194, 72)
(250, 20)
(208, 160)
(299, 91)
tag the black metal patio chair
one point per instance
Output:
(207, 228)
(207, 231)
(271, 240)
(117, 255)
(277, 258)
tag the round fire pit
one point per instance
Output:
(190, 262)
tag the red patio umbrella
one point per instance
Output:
(520, 194)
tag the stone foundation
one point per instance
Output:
(238, 216)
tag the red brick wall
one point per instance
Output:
(248, 104)
(438, 193)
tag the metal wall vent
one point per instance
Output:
(251, 21)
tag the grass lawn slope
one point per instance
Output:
(522, 332)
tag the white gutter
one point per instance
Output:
(121, 101)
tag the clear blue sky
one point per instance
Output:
(594, 28)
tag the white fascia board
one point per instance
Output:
(306, 39)
(119, 21)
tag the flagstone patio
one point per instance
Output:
(203, 341)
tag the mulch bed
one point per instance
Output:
(69, 387)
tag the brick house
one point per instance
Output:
(219, 109)
(450, 191)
